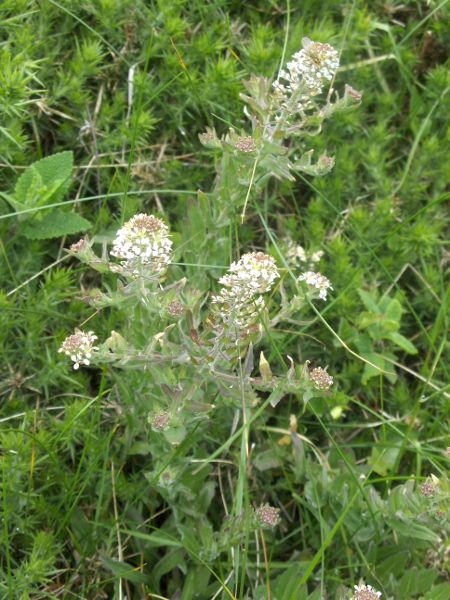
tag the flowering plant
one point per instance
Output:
(189, 352)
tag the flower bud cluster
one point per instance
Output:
(79, 347)
(248, 278)
(246, 144)
(143, 242)
(83, 250)
(321, 379)
(159, 421)
(266, 517)
(306, 75)
(318, 281)
(428, 489)
(175, 308)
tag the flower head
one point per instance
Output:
(79, 347)
(78, 247)
(175, 308)
(83, 250)
(143, 241)
(427, 489)
(266, 516)
(246, 279)
(353, 94)
(253, 274)
(321, 379)
(296, 254)
(247, 144)
(365, 592)
(311, 68)
(159, 421)
(318, 281)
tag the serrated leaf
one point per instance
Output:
(403, 342)
(56, 224)
(369, 302)
(29, 195)
(16, 205)
(45, 181)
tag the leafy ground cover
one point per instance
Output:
(292, 488)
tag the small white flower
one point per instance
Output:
(311, 68)
(318, 281)
(79, 347)
(248, 278)
(143, 241)
(365, 592)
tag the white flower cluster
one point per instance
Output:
(296, 254)
(143, 241)
(311, 68)
(79, 347)
(318, 281)
(252, 275)
(365, 592)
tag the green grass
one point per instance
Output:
(95, 504)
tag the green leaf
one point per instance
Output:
(370, 371)
(45, 181)
(439, 592)
(175, 435)
(266, 460)
(140, 448)
(416, 582)
(394, 560)
(403, 342)
(17, 206)
(394, 311)
(196, 581)
(171, 560)
(390, 325)
(56, 224)
(287, 585)
(123, 570)
(366, 319)
(369, 302)
(383, 457)
(196, 221)
(156, 539)
(412, 530)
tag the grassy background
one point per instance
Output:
(74, 480)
